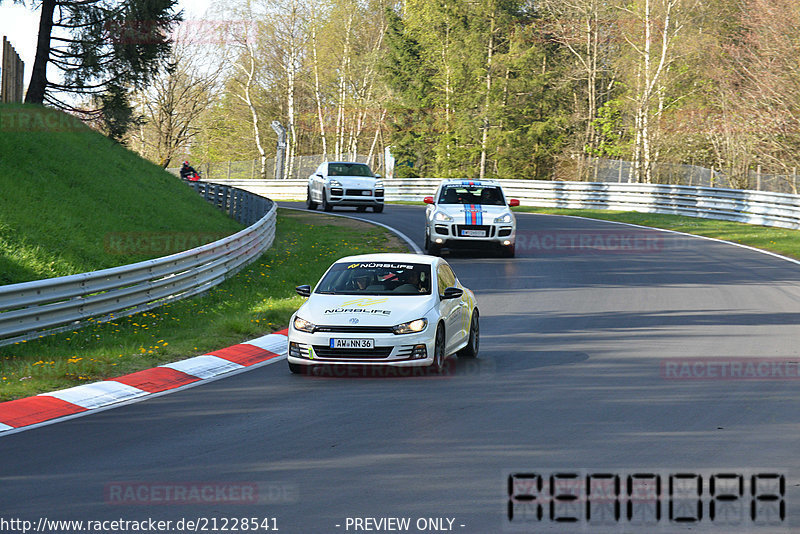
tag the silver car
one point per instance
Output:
(344, 183)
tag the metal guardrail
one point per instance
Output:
(33, 309)
(753, 207)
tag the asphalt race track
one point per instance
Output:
(607, 350)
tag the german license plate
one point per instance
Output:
(473, 233)
(339, 343)
(366, 193)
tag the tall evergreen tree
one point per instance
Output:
(409, 80)
(103, 49)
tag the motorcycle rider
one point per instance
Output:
(187, 171)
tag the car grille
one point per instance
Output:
(355, 329)
(300, 350)
(322, 351)
(485, 227)
(358, 192)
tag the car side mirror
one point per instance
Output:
(303, 291)
(428, 200)
(513, 202)
(452, 293)
(377, 175)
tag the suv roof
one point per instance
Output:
(465, 181)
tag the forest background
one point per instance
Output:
(484, 88)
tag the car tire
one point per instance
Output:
(438, 352)
(361, 209)
(430, 248)
(296, 368)
(325, 205)
(310, 204)
(473, 344)
(378, 209)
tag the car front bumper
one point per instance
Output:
(455, 235)
(390, 349)
(342, 196)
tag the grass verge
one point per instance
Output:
(779, 240)
(74, 201)
(258, 300)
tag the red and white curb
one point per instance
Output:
(47, 407)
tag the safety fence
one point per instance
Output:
(12, 75)
(753, 207)
(33, 309)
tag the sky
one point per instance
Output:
(20, 25)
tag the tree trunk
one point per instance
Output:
(343, 74)
(317, 89)
(38, 83)
(485, 134)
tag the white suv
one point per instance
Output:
(470, 214)
(344, 183)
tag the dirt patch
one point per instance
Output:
(393, 243)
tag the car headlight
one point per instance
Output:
(303, 325)
(441, 216)
(504, 218)
(410, 327)
(335, 183)
(378, 185)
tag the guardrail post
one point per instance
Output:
(758, 177)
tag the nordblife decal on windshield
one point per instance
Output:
(379, 265)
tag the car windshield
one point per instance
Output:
(472, 194)
(348, 169)
(376, 278)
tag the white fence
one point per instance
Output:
(754, 207)
(32, 309)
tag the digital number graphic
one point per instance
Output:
(647, 497)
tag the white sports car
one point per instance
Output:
(384, 309)
(470, 214)
(344, 183)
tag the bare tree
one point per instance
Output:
(244, 40)
(585, 29)
(652, 35)
(171, 107)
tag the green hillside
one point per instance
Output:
(73, 201)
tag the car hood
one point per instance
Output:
(343, 310)
(360, 182)
(463, 212)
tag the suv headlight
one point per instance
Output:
(303, 325)
(441, 216)
(335, 183)
(378, 185)
(504, 218)
(410, 327)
